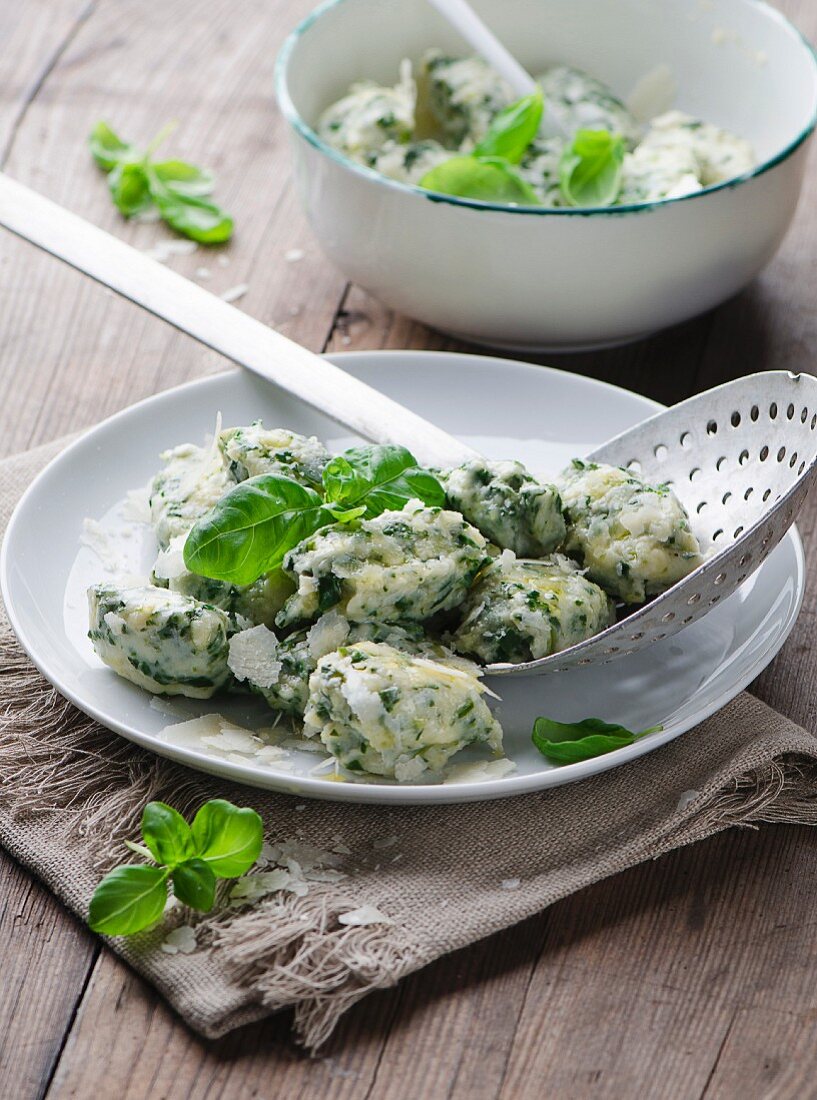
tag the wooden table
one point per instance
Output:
(689, 977)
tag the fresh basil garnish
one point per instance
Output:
(248, 531)
(227, 838)
(108, 149)
(571, 742)
(180, 191)
(488, 179)
(381, 478)
(223, 842)
(590, 168)
(513, 129)
(128, 899)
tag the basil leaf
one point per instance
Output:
(571, 742)
(197, 218)
(249, 530)
(513, 129)
(194, 884)
(381, 478)
(345, 515)
(590, 168)
(228, 839)
(184, 179)
(487, 179)
(128, 900)
(107, 149)
(166, 833)
(129, 188)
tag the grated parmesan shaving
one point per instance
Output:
(167, 707)
(136, 506)
(170, 563)
(233, 739)
(180, 940)
(235, 292)
(253, 656)
(366, 914)
(163, 250)
(328, 634)
(381, 842)
(686, 799)
(478, 771)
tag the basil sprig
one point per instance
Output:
(381, 479)
(591, 167)
(482, 178)
(487, 174)
(513, 129)
(572, 742)
(223, 841)
(250, 529)
(179, 191)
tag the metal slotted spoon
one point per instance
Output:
(740, 457)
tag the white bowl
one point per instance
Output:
(528, 278)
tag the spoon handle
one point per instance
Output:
(462, 16)
(220, 326)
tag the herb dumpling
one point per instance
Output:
(254, 603)
(401, 566)
(369, 115)
(162, 641)
(254, 450)
(508, 505)
(280, 670)
(540, 167)
(634, 539)
(463, 95)
(658, 170)
(388, 713)
(191, 481)
(409, 163)
(522, 610)
(580, 102)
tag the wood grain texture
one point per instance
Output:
(690, 977)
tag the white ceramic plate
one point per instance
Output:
(504, 408)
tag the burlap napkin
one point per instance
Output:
(444, 876)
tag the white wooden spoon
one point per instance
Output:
(482, 39)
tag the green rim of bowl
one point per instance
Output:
(308, 134)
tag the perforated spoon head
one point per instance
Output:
(741, 458)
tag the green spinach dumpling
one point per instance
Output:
(400, 566)
(633, 539)
(388, 713)
(185, 489)
(523, 610)
(508, 505)
(257, 450)
(162, 641)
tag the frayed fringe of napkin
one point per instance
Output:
(92, 785)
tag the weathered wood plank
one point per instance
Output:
(38, 940)
(46, 958)
(639, 978)
(34, 36)
(767, 1054)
